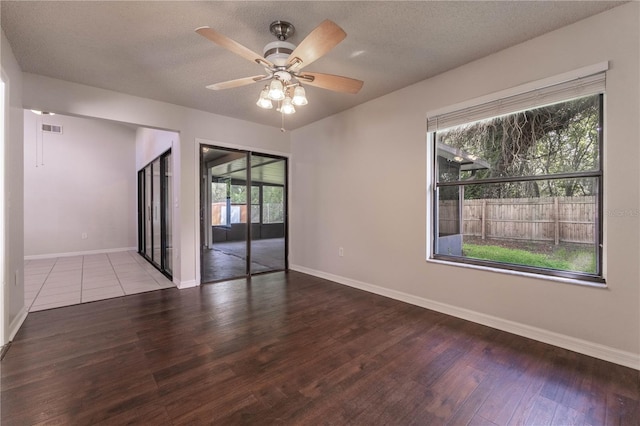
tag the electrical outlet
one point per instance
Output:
(340, 252)
(84, 236)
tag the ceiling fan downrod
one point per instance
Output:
(277, 52)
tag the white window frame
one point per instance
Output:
(563, 87)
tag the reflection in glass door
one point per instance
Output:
(224, 214)
(167, 201)
(268, 248)
(148, 208)
(154, 213)
(243, 213)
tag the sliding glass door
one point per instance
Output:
(167, 222)
(243, 213)
(156, 227)
(154, 213)
(224, 202)
(268, 248)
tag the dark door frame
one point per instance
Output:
(248, 154)
(159, 264)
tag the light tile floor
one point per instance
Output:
(64, 281)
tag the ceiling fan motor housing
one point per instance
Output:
(277, 52)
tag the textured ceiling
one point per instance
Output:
(150, 49)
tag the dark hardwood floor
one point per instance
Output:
(295, 349)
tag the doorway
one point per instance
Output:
(243, 198)
(155, 241)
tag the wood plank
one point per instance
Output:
(288, 348)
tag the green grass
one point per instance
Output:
(515, 256)
(580, 260)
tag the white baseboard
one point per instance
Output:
(596, 350)
(186, 284)
(17, 323)
(79, 253)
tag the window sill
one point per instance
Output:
(574, 281)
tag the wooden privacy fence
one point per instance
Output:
(556, 219)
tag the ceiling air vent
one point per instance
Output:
(52, 128)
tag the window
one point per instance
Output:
(219, 199)
(273, 204)
(522, 190)
(229, 203)
(255, 204)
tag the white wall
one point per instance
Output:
(13, 291)
(59, 96)
(82, 181)
(151, 143)
(359, 183)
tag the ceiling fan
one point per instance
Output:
(283, 63)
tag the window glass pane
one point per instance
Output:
(168, 188)
(219, 214)
(219, 203)
(156, 212)
(255, 213)
(255, 204)
(219, 192)
(238, 198)
(559, 138)
(273, 204)
(268, 242)
(255, 195)
(148, 208)
(238, 214)
(449, 216)
(545, 223)
(238, 194)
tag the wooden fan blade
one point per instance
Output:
(319, 41)
(232, 46)
(336, 83)
(237, 83)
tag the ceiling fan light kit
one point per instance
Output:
(283, 62)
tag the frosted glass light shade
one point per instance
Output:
(299, 96)
(263, 100)
(276, 90)
(287, 107)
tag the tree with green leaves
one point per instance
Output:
(554, 139)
